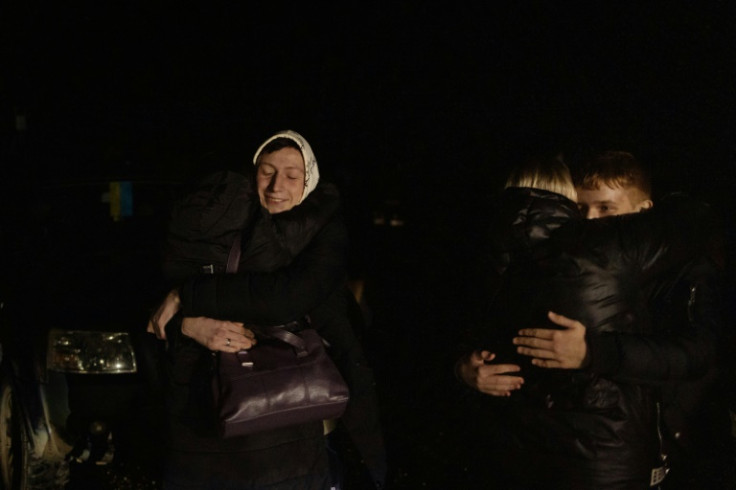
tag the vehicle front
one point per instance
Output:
(80, 384)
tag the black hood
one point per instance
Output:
(525, 218)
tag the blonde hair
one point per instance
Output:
(549, 175)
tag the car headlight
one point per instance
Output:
(77, 351)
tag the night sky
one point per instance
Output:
(425, 102)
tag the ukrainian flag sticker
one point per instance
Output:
(121, 199)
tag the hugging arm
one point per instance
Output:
(565, 348)
(667, 238)
(639, 358)
(274, 297)
(684, 352)
(274, 240)
(479, 372)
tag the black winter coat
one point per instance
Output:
(688, 310)
(597, 427)
(292, 264)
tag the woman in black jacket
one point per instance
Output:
(592, 427)
(292, 264)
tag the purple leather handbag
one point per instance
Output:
(286, 379)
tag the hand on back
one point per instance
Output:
(165, 312)
(479, 372)
(551, 348)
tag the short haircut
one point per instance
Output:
(278, 144)
(615, 169)
(549, 174)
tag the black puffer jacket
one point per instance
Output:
(596, 427)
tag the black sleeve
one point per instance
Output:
(275, 297)
(296, 227)
(666, 236)
(651, 359)
(685, 349)
(659, 241)
(273, 241)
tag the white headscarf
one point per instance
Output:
(311, 171)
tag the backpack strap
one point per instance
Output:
(233, 258)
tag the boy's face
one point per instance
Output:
(610, 201)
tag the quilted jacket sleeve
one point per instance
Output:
(273, 241)
(274, 297)
(669, 235)
(687, 321)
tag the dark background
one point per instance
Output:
(415, 108)
(425, 106)
(402, 97)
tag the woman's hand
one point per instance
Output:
(165, 312)
(478, 372)
(218, 335)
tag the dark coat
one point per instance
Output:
(292, 264)
(596, 427)
(688, 308)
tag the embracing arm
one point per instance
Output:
(654, 241)
(298, 226)
(667, 236)
(275, 297)
(479, 372)
(650, 359)
(683, 347)
(637, 358)
(275, 239)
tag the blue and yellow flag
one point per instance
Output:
(121, 199)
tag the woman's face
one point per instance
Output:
(280, 179)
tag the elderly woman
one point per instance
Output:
(293, 263)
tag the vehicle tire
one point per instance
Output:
(13, 441)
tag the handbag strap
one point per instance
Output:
(294, 340)
(233, 258)
(280, 333)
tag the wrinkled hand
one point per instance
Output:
(218, 335)
(549, 348)
(165, 312)
(477, 371)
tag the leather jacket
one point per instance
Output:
(601, 422)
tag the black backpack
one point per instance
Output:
(206, 225)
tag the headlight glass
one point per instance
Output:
(78, 351)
